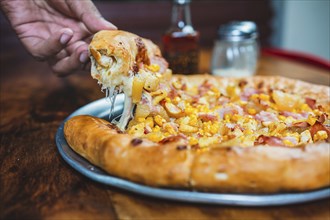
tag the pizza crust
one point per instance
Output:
(122, 155)
(258, 169)
(261, 169)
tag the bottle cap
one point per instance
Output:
(238, 31)
(182, 2)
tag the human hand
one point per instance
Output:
(56, 31)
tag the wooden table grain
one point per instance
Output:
(36, 183)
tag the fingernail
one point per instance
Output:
(65, 38)
(83, 57)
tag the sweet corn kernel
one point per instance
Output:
(207, 141)
(177, 84)
(264, 97)
(150, 122)
(305, 107)
(156, 129)
(137, 130)
(193, 141)
(282, 117)
(214, 89)
(252, 111)
(248, 131)
(215, 128)
(153, 67)
(311, 120)
(187, 128)
(231, 91)
(227, 117)
(320, 135)
(159, 120)
(167, 127)
(317, 112)
(140, 119)
(177, 99)
(193, 120)
(155, 136)
(288, 143)
(236, 117)
(189, 110)
(254, 96)
(242, 103)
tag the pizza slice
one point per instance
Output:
(256, 134)
(125, 62)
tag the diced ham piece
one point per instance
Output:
(298, 116)
(170, 139)
(247, 92)
(322, 118)
(272, 141)
(195, 98)
(207, 117)
(310, 102)
(319, 127)
(301, 124)
(173, 93)
(231, 109)
(204, 88)
(264, 116)
(147, 129)
(223, 100)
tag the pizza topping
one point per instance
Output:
(210, 113)
(310, 102)
(258, 118)
(264, 116)
(320, 132)
(272, 141)
(136, 141)
(181, 147)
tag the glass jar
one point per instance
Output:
(236, 50)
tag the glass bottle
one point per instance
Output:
(236, 50)
(180, 42)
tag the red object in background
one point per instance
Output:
(298, 56)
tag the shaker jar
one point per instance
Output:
(236, 50)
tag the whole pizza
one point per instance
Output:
(261, 134)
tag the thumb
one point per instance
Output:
(87, 12)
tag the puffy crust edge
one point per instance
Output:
(122, 155)
(257, 169)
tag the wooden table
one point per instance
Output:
(36, 183)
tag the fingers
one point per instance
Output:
(72, 62)
(54, 44)
(90, 16)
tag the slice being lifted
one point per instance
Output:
(203, 132)
(125, 62)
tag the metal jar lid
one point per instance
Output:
(238, 31)
(182, 2)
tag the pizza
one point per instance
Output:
(261, 134)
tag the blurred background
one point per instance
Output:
(297, 25)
